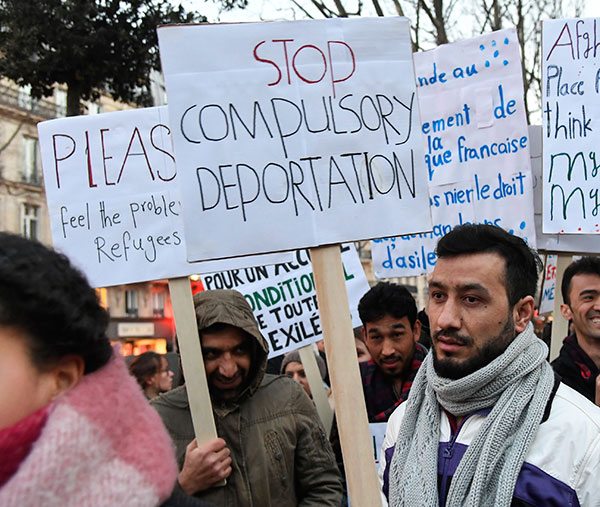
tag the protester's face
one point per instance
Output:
(471, 322)
(23, 388)
(361, 351)
(163, 379)
(295, 370)
(391, 343)
(584, 307)
(227, 358)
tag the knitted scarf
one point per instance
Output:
(517, 385)
(102, 445)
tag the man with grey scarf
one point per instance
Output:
(487, 423)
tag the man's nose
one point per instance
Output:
(228, 367)
(296, 377)
(387, 348)
(448, 316)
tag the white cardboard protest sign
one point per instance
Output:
(283, 297)
(306, 134)
(571, 110)
(570, 243)
(113, 201)
(548, 285)
(476, 147)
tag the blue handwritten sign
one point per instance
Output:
(477, 144)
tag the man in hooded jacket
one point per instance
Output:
(272, 449)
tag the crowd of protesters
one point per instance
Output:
(475, 413)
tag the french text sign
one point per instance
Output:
(476, 147)
(571, 114)
(294, 134)
(283, 297)
(112, 196)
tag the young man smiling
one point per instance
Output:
(487, 422)
(271, 448)
(579, 361)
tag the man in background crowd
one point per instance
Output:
(579, 360)
(487, 423)
(151, 370)
(391, 332)
(272, 448)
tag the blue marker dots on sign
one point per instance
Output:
(493, 43)
(487, 63)
(506, 41)
(522, 226)
(496, 53)
(482, 47)
(505, 62)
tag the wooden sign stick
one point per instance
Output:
(560, 326)
(315, 381)
(350, 408)
(191, 359)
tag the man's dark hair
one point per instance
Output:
(51, 302)
(522, 263)
(387, 299)
(583, 266)
(145, 366)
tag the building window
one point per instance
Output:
(131, 303)
(60, 99)
(32, 172)
(94, 108)
(30, 221)
(158, 304)
(24, 98)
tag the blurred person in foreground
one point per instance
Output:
(151, 370)
(271, 446)
(487, 422)
(74, 427)
(578, 363)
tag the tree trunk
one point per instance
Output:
(74, 107)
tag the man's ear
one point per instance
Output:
(566, 311)
(417, 330)
(66, 374)
(522, 313)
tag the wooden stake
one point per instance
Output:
(191, 359)
(350, 408)
(560, 326)
(315, 381)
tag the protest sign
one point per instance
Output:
(283, 299)
(476, 147)
(571, 110)
(113, 201)
(571, 243)
(306, 134)
(548, 285)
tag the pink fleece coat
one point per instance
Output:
(102, 446)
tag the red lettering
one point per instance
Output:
(556, 44)
(304, 78)
(258, 58)
(136, 133)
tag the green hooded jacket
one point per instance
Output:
(281, 456)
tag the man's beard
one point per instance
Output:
(224, 395)
(454, 369)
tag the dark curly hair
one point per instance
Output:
(522, 263)
(387, 299)
(51, 302)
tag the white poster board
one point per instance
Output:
(548, 285)
(476, 147)
(283, 297)
(569, 243)
(113, 201)
(571, 114)
(294, 134)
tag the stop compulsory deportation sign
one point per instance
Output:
(294, 134)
